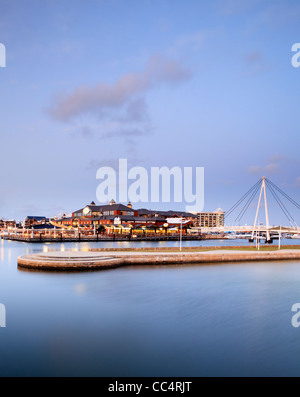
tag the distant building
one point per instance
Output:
(211, 219)
(4, 224)
(31, 221)
(11, 223)
(168, 214)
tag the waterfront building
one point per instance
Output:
(11, 223)
(112, 208)
(117, 218)
(211, 219)
(168, 214)
(31, 221)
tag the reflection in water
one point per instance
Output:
(80, 288)
(2, 250)
(9, 253)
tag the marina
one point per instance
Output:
(119, 222)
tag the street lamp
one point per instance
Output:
(181, 221)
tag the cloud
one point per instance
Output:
(271, 168)
(276, 158)
(102, 96)
(136, 110)
(273, 165)
(117, 110)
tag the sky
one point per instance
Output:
(174, 83)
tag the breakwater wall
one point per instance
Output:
(82, 260)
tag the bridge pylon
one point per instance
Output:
(262, 189)
(261, 186)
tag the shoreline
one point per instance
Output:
(113, 258)
(198, 248)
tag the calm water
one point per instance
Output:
(191, 320)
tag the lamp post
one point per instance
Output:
(181, 221)
(279, 238)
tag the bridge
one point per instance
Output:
(257, 230)
(251, 229)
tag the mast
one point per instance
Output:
(262, 189)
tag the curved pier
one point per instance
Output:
(69, 260)
(82, 260)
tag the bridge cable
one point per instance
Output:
(258, 183)
(246, 206)
(292, 220)
(284, 194)
(282, 206)
(280, 203)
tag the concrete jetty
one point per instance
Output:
(69, 260)
(102, 259)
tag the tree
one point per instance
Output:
(101, 229)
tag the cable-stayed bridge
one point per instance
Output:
(258, 230)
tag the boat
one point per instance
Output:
(295, 235)
(232, 236)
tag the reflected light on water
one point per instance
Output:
(9, 256)
(80, 288)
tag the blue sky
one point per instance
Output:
(158, 82)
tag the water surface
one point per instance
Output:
(181, 320)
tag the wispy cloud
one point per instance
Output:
(102, 96)
(271, 168)
(276, 158)
(118, 109)
(273, 165)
